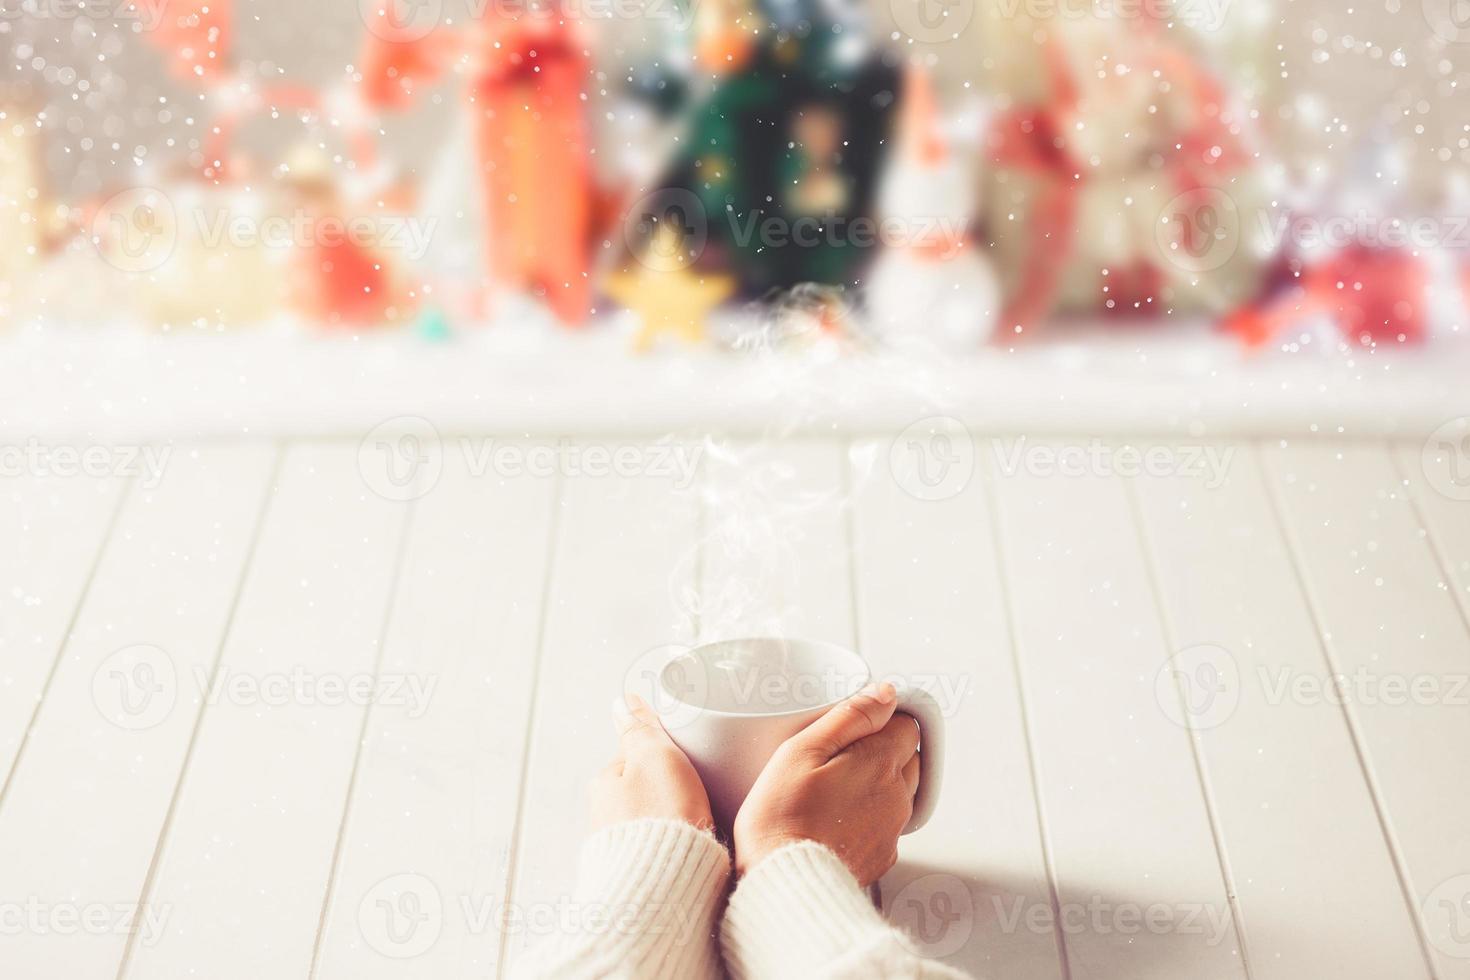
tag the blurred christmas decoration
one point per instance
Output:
(1120, 172)
(20, 183)
(343, 278)
(211, 278)
(1374, 297)
(929, 283)
(529, 136)
(196, 35)
(433, 325)
(661, 287)
(534, 147)
(804, 318)
(782, 156)
(247, 241)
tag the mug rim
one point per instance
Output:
(864, 671)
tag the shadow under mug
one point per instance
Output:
(729, 706)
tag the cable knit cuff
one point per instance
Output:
(796, 912)
(656, 885)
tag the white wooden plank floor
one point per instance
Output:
(276, 717)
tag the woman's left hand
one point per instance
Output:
(651, 776)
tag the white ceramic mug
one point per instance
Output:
(729, 706)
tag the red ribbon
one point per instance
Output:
(532, 140)
(1374, 296)
(1030, 139)
(198, 34)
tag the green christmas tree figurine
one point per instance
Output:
(783, 155)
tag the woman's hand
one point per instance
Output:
(847, 781)
(650, 777)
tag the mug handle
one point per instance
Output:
(920, 704)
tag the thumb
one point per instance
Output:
(636, 722)
(859, 716)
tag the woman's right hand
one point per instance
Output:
(847, 780)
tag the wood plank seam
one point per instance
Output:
(1441, 555)
(71, 625)
(1201, 769)
(1028, 735)
(553, 535)
(849, 532)
(1293, 550)
(701, 544)
(334, 869)
(146, 888)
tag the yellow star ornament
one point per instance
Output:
(667, 296)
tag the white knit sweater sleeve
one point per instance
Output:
(646, 901)
(800, 914)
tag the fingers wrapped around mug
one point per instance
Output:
(847, 781)
(649, 776)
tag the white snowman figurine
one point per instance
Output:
(929, 285)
